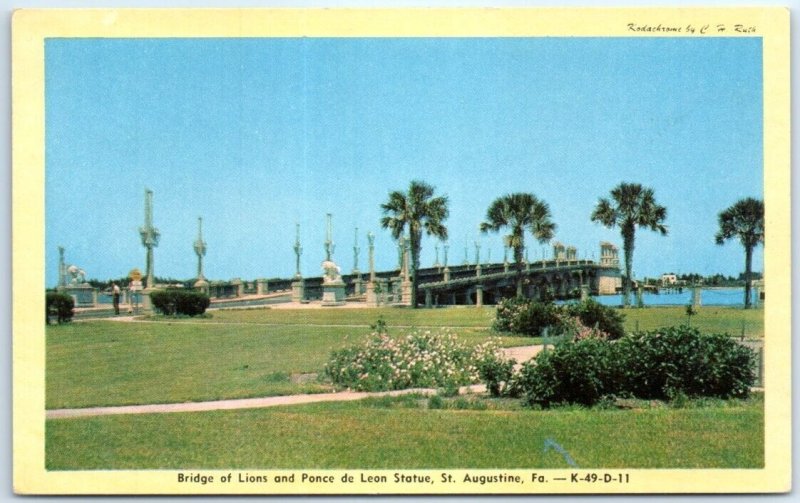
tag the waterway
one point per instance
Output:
(708, 297)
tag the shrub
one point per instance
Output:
(175, 301)
(60, 305)
(497, 372)
(508, 312)
(593, 314)
(574, 372)
(523, 316)
(420, 359)
(667, 364)
(579, 320)
(662, 363)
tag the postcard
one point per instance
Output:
(401, 251)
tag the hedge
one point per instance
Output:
(176, 301)
(60, 305)
(524, 316)
(659, 364)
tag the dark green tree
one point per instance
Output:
(519, 212)
(744, 220)
(415, 212)
(630, 206)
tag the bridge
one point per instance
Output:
(476, 284)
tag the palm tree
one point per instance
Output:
(416, 211)
(518, 212)
(744, 219)
(633, 206)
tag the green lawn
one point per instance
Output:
(708, 319)
(238, 354)
(368, 434)
(461, 316)
(114, 363)
(261, 352)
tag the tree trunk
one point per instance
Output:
(748, 265)
(627, 244)
(413, 266)
(518, 255)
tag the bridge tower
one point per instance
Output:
(609, 254)
(610, 277)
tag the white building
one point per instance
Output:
(668, 279)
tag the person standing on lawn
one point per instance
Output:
(115, 297)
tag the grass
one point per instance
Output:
(134, 363)
(405, 434)
(238, 354)
(112, 363)
(715, 319)
(248, 353)
(395, 317)
(708, 319)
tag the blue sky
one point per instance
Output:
(255, 135)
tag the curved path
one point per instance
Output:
(520, 354)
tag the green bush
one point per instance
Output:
(524, 316)
(59, 305)
(667, 364)
(497, 372)
(578, 372)
(183, 302)
(578, 320)
(662, 363)
(593, 314)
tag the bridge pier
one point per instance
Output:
(428, 298)
(479, 295)
(696, 296)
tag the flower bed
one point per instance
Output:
(419, 359)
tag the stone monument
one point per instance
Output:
(150, 236)
(200, 250)
(62, 268)
(372, 297)
(405, 284)
(332, 284)
(357, 287)
(298, 285)
(446, 271)
(76, 286)
(477, 258)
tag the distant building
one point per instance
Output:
(668, 279)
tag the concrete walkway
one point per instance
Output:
(243, 403)
(520, 354)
